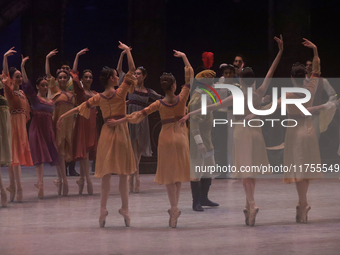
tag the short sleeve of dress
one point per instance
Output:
(128, 85)
(137, 117)
(85, 108)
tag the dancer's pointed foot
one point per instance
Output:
(59, 185)
(4, 200)
(252, 216)
(102, 218)
(174, 215)
(40, 187)
(89, 188)
(11, 190)
(126, 216)
(303, 214)
(246, 215)
(80, 183)
(65, 189)
(19, 195)
(137, 185)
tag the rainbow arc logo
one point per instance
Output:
(209, 93)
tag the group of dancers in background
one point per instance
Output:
(63, 128)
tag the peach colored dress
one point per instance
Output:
(173, 164)
(63, 102)
(301, 144)
(20, 113)
(114, 151)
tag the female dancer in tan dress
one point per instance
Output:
(63, 101)
(248, 144)
(114, 153)
(173, 164)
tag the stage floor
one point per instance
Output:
(69, 225)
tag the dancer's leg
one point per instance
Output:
(302, 188)
(17, 176)
(11, 188)
(82, 169)
(105, 190)
(124, 194)
(178, 191)
(39, 168)
(87, 176)
(172, 194)
(63, 174)
(40, 172)
(3, 192)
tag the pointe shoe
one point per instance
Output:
(80, 183)
(246, 215)
(252, 216)
(19, 195)
(303, 214)
(11, 191)
(173, 218)
(65, 189)
(40, 188)
(59, 185)
(126, 216)
(297, 217)
(4, 200)
(102, 218)
(89, 188)
(137, 185)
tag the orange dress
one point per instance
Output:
(173, 163)
(301, 144)
(63, 102)
(20, 113)
(114, 151)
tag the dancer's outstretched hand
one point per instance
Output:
(279, 42)
(23, 60)
(184, 120)
(178, 54)
(82, 52)
(10, 52)
(123, 46)
(52, 53)
(308, 44)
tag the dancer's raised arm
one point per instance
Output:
(261, 91)
(127, 49)
(23, 71)
(10, 52)
(189, 72)
(47, 62)
(75, 62)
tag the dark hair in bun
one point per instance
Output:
(249, 76)
(298, 70)
(12, 70)
(167, 79)
(105, 75)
